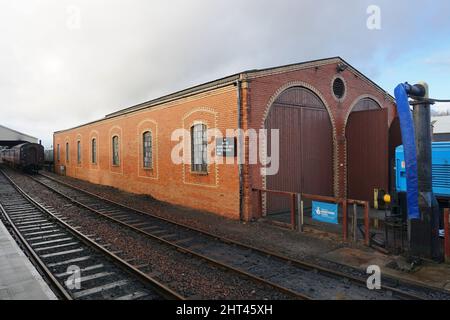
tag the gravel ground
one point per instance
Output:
(262, 235)
(309, 246)
(188, 276)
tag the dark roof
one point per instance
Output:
(227, 81)
(205, 86)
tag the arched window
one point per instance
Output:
(94, 151)
(199, 148)
(67, 152)
(147, 144)
(57, 153)
(115, 150)
(78, 151)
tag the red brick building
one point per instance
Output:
(334, 139)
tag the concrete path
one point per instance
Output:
(19, 279)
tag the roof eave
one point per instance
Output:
(225, 81)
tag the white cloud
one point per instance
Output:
(53, 76)
(441, 107)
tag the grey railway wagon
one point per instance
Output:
(26, 156)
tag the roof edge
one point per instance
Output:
(225, 81)
(24, 134)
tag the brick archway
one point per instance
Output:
(317, 92)
(305, 146)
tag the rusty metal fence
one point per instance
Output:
(297, 211)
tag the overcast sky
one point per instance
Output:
(63, 63)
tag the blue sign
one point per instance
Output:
(325, 212)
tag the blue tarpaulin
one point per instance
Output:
(409, 144)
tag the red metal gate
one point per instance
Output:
(367, 154)
(306, 147)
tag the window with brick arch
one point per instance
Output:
(147, 144)
(94, 151)
(115, 150)
(78, 151)
(199, 148)
(57, 153)
(67, 152)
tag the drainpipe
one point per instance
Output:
(239, 151)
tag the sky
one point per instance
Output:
(64, 63)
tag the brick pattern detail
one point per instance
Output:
(208, 117)
(218, 192)
(145, 126)
(318, 78)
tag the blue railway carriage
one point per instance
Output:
(440, 169)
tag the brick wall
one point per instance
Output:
(263, 90)
(218, 191)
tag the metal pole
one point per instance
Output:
(300, 212)
(240, 143)
(425, 232)
(344, 219)
(366, 223)
(355, 221)
(293, 202)
(447, 234)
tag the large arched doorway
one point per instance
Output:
(306, 147)
(367, 150)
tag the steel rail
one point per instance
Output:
(160, 288)
(296, 262)
(58, 289)
(183, 249)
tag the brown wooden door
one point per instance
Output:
(367, 154)
(306, 147)
(317, 152)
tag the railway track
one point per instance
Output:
(61, 253)
(307, 281)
